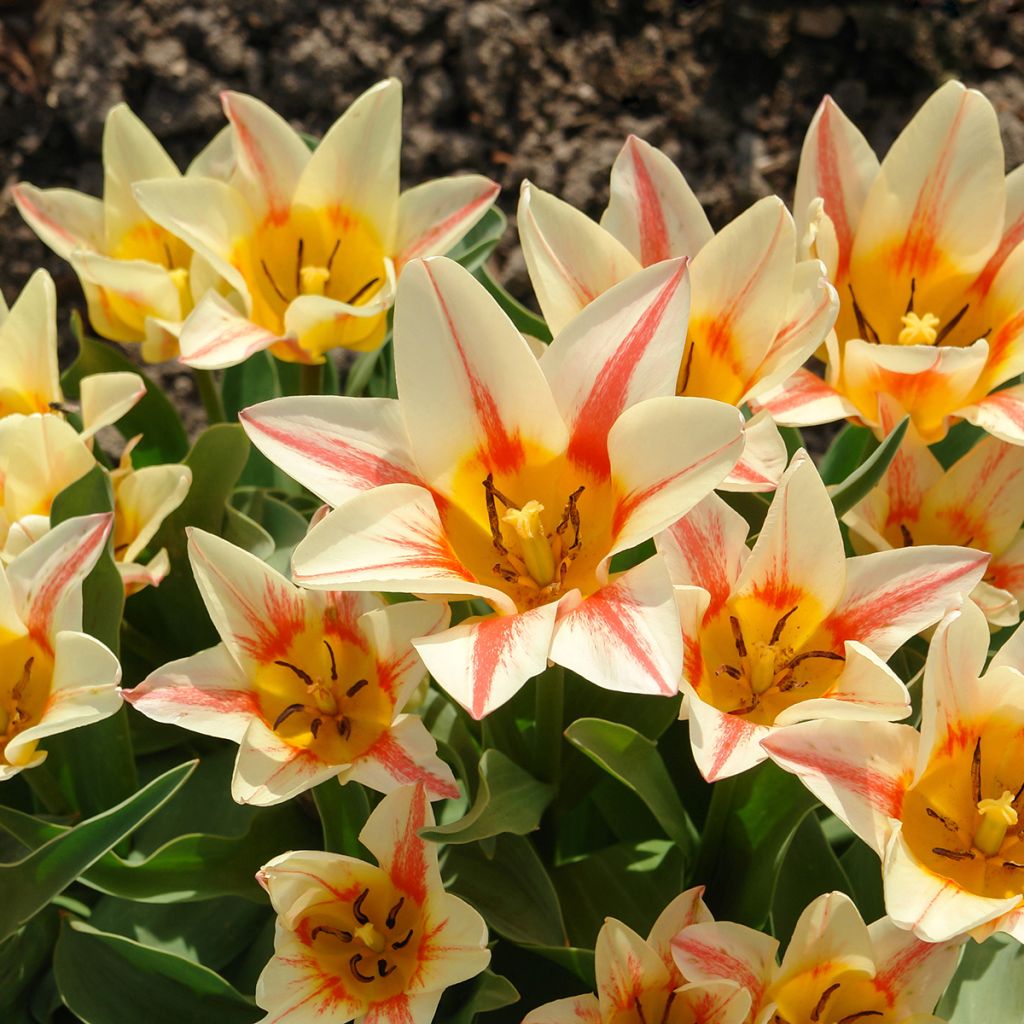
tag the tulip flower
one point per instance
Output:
(924, 252)
(978, 502)
(499, 476)
(310, 685)
(53, 677)
(311, 243)
(638, 980)
(836, 970)
(139, 280)
(792, 629)
(756, 314)
(372, 943)
(939, 807)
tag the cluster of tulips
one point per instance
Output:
(427, 587)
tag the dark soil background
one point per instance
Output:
(511, 88)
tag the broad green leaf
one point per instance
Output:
(361, 372)
(343, 812)
(864, 870)
(752, 820)
(634, 760)
(508, 800)
(247, 534)
(859, 483)
(962, 437)
(511, 889)
(478, 243)
(850, 447)
(108, 979)
(809, 870)
(988, 987)
(30, 883)
(487, 991)
(285, 524)
(753, 506)
(22, 956)
(579, 962)
(525, 320)
(196, 866)
(629, 881)
(154, 417)
(95, 767)
(254, 380)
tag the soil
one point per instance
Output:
(512, 88)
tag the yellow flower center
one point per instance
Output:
(179, 277)
(918, 330)
(829, 995)
(534, 545)
(996, 818)
(25, 680)
(325, 696)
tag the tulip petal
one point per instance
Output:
(829, 932)
(65, 220)
(891, 595)
(660, 482)
(256, 611)
(469, 384)
(388, 539)
(933, 907)
(837, 164)
(859, 770)
(723, 744)
(433, 216)
(269, 155)
(805, 400)
(405, 754)
(146, 287)
(269, 771)
(715, 1002)
(1001, 608)
(484, 663)
(456, 946)
(574, 1010)
(29, 377)
(1001, 414)
(627, 969)
(205, 692)
(706, 548)
(763, 459)
(651, 208)
(623, 348)
(686, 909)
(625, 636)
(106, 397)
(571, 259)
(337, 447)
(215, 335)
(145, 498)
(356, 163)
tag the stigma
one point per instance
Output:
(997, 817)
(918, 330)
(313, 280)
(534, 545)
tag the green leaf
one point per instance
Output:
(285, 524)
(752, 820)
(33, 881)
(851, 446)
(487, 991)
(634, 760)
(23, 954)
(579, 962)
(511, 890)
(478, 243)
(95, 767)
(508, 800)
(108, 979)
(247, 534)
(154, 417)
(254, 380)
(988, 987)
(860, 482)
(343, 812)
(962, 437)
(525, 320)
(864, 870)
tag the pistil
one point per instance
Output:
(533, 542)
(918, 330)
(997, 817)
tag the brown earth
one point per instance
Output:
(512, 88)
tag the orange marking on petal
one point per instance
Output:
(409, 863)
(1012, 237)
(830, 179)
(274, 625)
(654, 245)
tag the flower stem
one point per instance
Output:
(46, 790)
(210, 394)
(549, 710)
(723, 794)
(310, 378)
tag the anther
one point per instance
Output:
(908, 540)
(638, 1007)
(356, 687)
(354, 967)
(334, 252)
(273, 284)
(490, 494)
(947, 823)
(731, 670)
(807, 655)
(976, 772)
(383, 970)
(571, 515)
(402, 943)
(953, 854)
(1013, 865)
(360, 292)
(338, 933)
(910, 301)
(780, 626)
(393, 912)
(314, 726)
(357, 907)
(304, 676)
(334, 665)
(850, 1018)
(287, 713)
(737, 635)
(867, 332)
(819, 1008)
(684, 376)
(950, 325)
(344, 727)
(170, 259)
(298, 267)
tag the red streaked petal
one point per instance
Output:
(574, 1010)
(763, 459)
(723, 744)
(65, 220)
(805, 400)
(910, 972)
(216, 335)
(1001, 414)
(269, 771)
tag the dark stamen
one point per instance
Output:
(947, 823)
(737, 635)
(790, 682)
(356, 687)
(334, 666)
(908, 540)
(273, 284)
(976, 772)
(336, 932)
(731, 670)
(354, 967)
(828, 655)
(780, 626)
(867, 332)
(393, 912)
(490, 494)
(304, 676)
(362, 291)
(638, 1007)
(170, 259)
(944, 333)
(850, 1018)
(383, 970)
(344, 727)
(298, 268)
(571, 515)
(287, 713)
(314, 726)
(1013, 865)
(819, 1008)
(508, 575)
(334, 252)
(357, 907)
(954, 854)
(402, 943)
(1016, 799)
(685, 376)
(910, 301)
(745, 709)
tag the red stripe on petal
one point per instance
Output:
(278, 210)
(588, 446)
(504, 451)
(1012, 237)
(227, 702)
(493, 639)
(274, 624)
(389, 672)
(340, 617)
(409, 857)
(732, 731)
(392, 1011)
(830, 185)
(724, 965)
(32, 211)
(403, 769)
(428, 240)
(654, 245)
(898, 972)
(229, 331)
(883, 792)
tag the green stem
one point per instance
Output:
(310, 378)
(343, 811)
(723, 795)
(550, 713)
(210, 394)
(46, 789)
